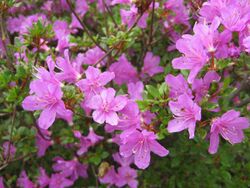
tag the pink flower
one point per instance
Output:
(81, 7)
(151, 65)
(1, 182)
(135, 90)
(114, 2)
(48, 98)
(246, 43)
(9, 150)
(208, 34)
(186, 113)
(230, 126)
(129, 118)
(180, 13)
(201, 86)
(24, 181)
(43, 179)
(105, 106)
(126, 176)
(110, 177)
(84, 145)
(95, 81)
(177, 86)
(46, 76)
(129, 17)
(194, 58)
(123, 161)
(140, 144)
(124, 71)
(43, 142)
(59, 181)
(72, 169)
(62, 32)
(70, 71)
(234, 18)
(93, 137)
(93, 55)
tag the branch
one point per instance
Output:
(83, 25)
(152, 24)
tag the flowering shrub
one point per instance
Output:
(135, 93)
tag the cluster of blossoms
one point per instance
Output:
(117, 112)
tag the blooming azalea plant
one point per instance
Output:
(115, 93)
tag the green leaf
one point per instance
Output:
(153, 91)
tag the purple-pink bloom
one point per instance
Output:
(180, 12)
(186, 112)
(95, 81)
(1, 182)
(126, 176)
(235, 18)
(135, 90)
(9, 150)
(71, 169)
(201, 86)
(43, 179)
(123, 161)
(24, 182)
(124, 71)
(48, 98)
(70, 71)
(114, 2)
(84, 144)
(93, 137)
(59, 181)
(106, 106)
(177, 86)
(93, 55)
(129, 118)
(43, 142)
(141, 144)
(129, 17)
(194, 58)
(110, 177)
(230, 126)
(208, 34)
(48, 76)
(151, 64)
(62, 32)
(246, 43)
(81, 7)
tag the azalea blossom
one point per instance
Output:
(24, 181)
(43, 178)
(59, 181)
(71, 169)
(186, 112)
(177, 86)
(230, 126)
(106, 106)
(124, 71)
(151, 64)
(43, 142)
(140, 145)
(48, 98)
(201, 86)
(195, 56)
(95, 81)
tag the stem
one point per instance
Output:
(11, 132)
(113, 47)
(83, 25)
(152, 24)
(212, 66)
(110, 13)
